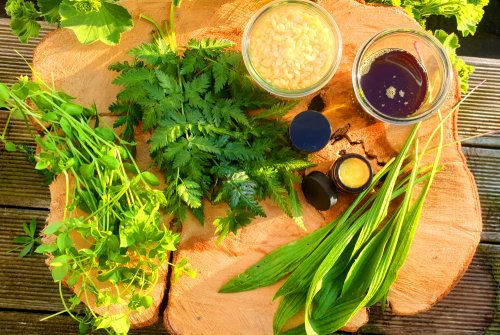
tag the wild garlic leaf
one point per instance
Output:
(95, 20)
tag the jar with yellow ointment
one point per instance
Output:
(352, 173)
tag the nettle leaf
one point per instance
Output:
(157, 52)
(181, 159)
(237, 151)
(95, 20)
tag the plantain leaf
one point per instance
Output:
(276, 265)
(288, 307)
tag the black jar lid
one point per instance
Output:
(319, 190)
(366, 173)
(310, 131)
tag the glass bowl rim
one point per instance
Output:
(332, 25)
(445, 86)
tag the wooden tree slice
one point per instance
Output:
(449, 230)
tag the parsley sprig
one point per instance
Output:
(214, 133)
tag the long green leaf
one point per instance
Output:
(288, 307)
(383, 200)
(411, 223)
(276, 265)
(332, 257)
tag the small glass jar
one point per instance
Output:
(291, 48)
(430, 56)
(352, 173)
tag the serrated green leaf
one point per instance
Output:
(50, 9)
(205, 144)
(181, 159)
(23, 19)
(134, 76)
(190, 193)
(103, 22)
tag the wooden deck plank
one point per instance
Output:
(480, 113)
(485, 166)
(28, 277)
(469, 309)
(14, 323)
(11, 64)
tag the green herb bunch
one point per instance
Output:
(117, 236)
(351, 262)
(91, 20)
(214, 133)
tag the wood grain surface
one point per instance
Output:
(451, 314)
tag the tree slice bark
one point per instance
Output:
(450, 227)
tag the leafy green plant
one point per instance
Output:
(29, 241)
(214, 133)
(467, 13)
(91, 20)
(351, 262)
(112, 231)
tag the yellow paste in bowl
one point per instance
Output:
(354, 173)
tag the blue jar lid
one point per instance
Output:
(310, 131)
(319, 190)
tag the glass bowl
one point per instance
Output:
(426, 53)
(291, 48)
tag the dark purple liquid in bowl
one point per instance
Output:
(395, 83)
